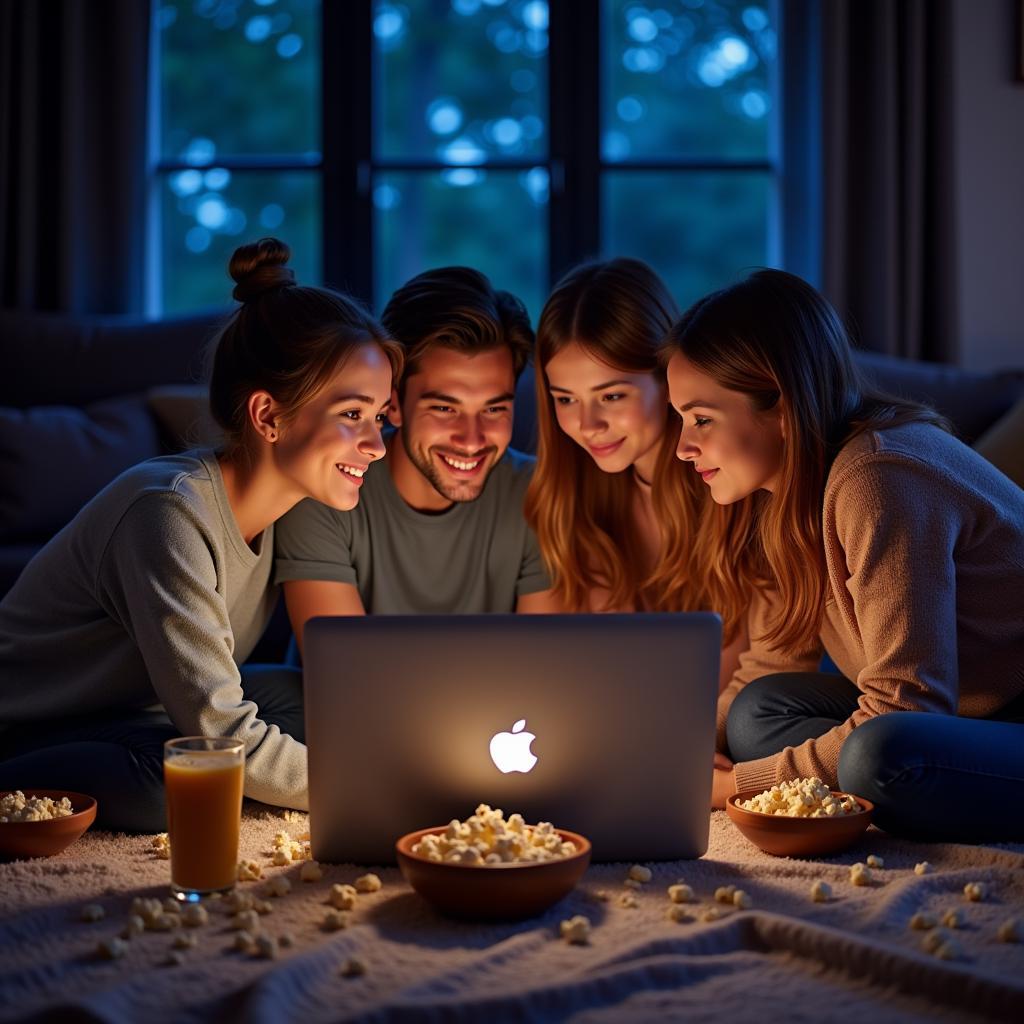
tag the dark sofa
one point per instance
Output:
(82, 398)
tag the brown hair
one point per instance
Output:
(285, 339)
(618, 311)
(772, 337)
(457, 308)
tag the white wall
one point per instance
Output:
(989, 132)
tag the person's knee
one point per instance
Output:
(872, 756)
(755, 702)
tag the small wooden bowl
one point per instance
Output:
(495, 892)
(783, 836)
(20, 840)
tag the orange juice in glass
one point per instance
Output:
(203, 780)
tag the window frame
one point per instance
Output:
(347, 166)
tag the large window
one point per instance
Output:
(382, 138)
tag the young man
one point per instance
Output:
(439, 526)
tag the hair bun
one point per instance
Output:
(260, 267)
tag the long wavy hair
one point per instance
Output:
(773, 337)
(618, 311)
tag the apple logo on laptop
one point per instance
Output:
(510, 751)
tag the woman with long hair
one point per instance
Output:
(614, 516)
(864, 528)
(131, 626)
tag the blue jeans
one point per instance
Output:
(931, 777)
(118, 757)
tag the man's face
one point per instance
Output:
(456, 418)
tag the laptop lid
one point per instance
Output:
(603, 724)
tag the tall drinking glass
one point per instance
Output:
(203, 780)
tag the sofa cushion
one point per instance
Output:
(53, 459)
(183, 414)
(1003, 444)
(971, 399)
(56, 359)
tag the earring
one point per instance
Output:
(272, 435)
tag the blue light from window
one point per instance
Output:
(388, 23)
(629, 108)
(523, 80)
(754, 103)
(257, 28)
(385, 197)
(642, 28)
(463, 150)
(616, 146)
(272, 215)
(535, 15)
(212, 212)
(462, 177)
(197, 239)
(288, 46)
(200, 151)
(216, 178)
(506, 132)
(755, 18)
(235, 222)
(444, 116)
(536, 181)
(185, 183)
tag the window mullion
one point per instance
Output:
(347, 124)
(574, 121)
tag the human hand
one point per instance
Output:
(721, 761)
(723, 785)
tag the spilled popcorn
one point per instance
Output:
(576, 931)
(18, 807)
(801, 798)
(974, 891)
(487, 838)
(821, 891)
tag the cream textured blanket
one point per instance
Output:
(786, 958)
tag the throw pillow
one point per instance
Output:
(53, 459)
(1003, 444)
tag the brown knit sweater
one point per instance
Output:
(924, 544)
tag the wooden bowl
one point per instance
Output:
(783, 836)
(22, 839)
(495, 892)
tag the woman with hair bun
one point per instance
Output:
(130, 626)
(865, 529)
(614, 516)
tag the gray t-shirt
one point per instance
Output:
(150, 595)
(477, 556)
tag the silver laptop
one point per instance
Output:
(602, 724)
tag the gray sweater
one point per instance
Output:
(150, 596)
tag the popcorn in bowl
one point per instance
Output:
(801, 798)
(16, 807)
(486, 838)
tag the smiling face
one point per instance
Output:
(736, 448)
(617, 417)
(325, 450)
(456, 423)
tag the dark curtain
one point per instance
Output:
(73, 102)
(889, 232)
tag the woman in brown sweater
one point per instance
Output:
(867, 530)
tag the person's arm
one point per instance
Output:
(160, 579)
(306, 599)
(313, 561)
(891, 529)
(540, 602)
(756, 658)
